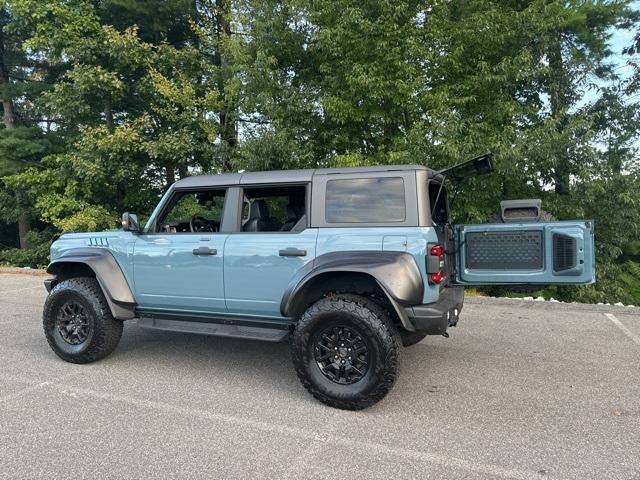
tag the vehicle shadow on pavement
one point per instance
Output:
(252, 363)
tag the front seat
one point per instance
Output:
(259, 219)
(294, 214)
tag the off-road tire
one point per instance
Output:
(373, 324)
(104, 331)
(411, 338)
(544, 217)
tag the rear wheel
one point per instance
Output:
(346, 351)
(78, 323)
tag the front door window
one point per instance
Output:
(194, 212)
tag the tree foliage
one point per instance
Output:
(106, 103)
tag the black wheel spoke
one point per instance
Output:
(73, 323)
(341, 354)
(327, 338)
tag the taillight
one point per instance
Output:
(435, 264)
(437, 277)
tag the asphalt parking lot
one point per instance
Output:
(521, 390)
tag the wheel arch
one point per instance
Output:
(101, 264)
(395, 276)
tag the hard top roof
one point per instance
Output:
(283, 176)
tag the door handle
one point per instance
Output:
(205, 251)
(292, 252)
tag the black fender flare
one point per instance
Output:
(108, 274)
(396, 273)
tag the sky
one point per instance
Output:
(619, 40)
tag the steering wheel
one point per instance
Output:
(200, 224)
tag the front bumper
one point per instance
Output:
(49, 283)
(435, 318)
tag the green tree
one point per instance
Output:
(106, 103)
(122, 139)
(25, 137)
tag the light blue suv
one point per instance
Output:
(351, 263)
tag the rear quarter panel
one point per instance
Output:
(412, 240)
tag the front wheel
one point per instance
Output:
(78, 323)
(346, 351)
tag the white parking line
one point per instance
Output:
(624, 329)
(22, 289)
(35, 385)
(23, 391)
(304, 434)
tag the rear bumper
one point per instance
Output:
(435, 318)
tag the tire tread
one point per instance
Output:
(377, 319)
(107, 330)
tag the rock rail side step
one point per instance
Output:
(216, 329)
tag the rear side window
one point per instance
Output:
(365, 200)
(274, 209)
(438, 202)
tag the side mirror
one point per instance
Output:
(130, 222)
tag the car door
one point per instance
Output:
(179, 267)
(272, 244)
(526, 253)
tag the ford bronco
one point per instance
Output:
(348, 263)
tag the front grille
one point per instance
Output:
(564, 252)
(521, 250)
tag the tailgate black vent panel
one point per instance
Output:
(564, 252)
(520, 213)
(522, 250)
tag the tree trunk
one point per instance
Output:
(561, 178)
(391, 128)
(121, 194)
(24, 226)
(559, 85)
(108, 113)
(169, 175)
(9, 117)
(228, 112)
(121, 186)
(10, 121)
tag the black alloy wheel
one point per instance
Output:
(342, 354)
(72, 322)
